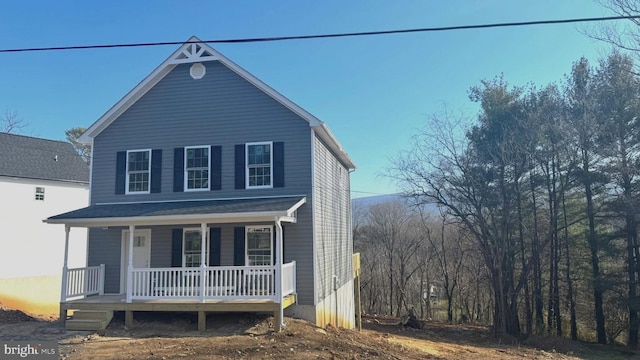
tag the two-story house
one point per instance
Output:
(210, 191)
(38, 178)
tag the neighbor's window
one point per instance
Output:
(192, 245)
(196, 168)
(259, 243)
(138, 170)
(39, 193)
(259, 165)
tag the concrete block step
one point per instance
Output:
(86, 324)
(102, 315)
(89, 320)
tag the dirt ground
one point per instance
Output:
(250, 336)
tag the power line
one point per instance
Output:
(324, 36)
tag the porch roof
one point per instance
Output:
(183, 212)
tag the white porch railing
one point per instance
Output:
(289, 278)
(84, 281)
(220, 282)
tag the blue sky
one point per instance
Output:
(373, 92)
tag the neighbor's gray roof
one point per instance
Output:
(181, 208)
(34, 158)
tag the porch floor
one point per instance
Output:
(117, 302)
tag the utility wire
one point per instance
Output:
(324, 36)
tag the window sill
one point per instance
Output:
(259, 187)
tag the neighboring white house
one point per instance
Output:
(38, 178)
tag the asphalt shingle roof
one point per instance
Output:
(213, 207)
(35, 158)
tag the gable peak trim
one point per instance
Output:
(192, 52)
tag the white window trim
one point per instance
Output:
(186, 176)
(246, 164)
(246, 242)
(206, 255)
(126, 183)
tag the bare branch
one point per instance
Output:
(10, 122)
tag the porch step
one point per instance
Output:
(89, 320)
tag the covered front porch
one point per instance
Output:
(196, 282)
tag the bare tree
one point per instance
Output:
(624, 35)
(10, 122)
(447, 247)
(390, 225)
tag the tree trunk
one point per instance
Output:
(553, 310)
(632, 236)
(570, 297)
(527, 302)
(557, 252)
(535, 259)
(592, 240)
(390, 283)
(631, 230)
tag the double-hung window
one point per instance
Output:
(259, 245)
(40, 193)
(259, 165)
(192, 245)
(197, 165)
(138, 171)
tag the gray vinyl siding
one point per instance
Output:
(104, 247)
(220, 109)
(298, 246)
(332, 217)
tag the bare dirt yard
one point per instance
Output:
(250, 336)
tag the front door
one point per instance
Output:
(141, 253)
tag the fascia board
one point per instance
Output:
(171, 219)
(327, 136)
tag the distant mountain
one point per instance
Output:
(365, 202)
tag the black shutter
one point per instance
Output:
(156, 171)
(240, 167)
(214, 246)
(238, 246)
(216, 168)
(278, 164)
(176, 248)
(178, 170)
(121, 171)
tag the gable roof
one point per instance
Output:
(35, 158)
(195, 51)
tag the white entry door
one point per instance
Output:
(141, 253)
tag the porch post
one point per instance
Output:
(65, 268)
(203, 261)
(132, 229)
(278, 268)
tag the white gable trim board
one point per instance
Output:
(196, 51)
